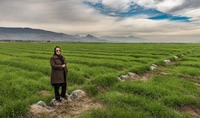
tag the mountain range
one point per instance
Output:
(29, 34)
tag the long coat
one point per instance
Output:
(58, 73)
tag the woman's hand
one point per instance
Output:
(63, 65)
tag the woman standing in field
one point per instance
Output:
(59, 74)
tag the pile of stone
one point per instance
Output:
(42, 107)
(153, 67)
(75, 95)
(133, 76)
(175, 57)
(129, 76)
(167, 61)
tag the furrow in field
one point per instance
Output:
(27, 66)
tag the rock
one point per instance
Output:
(167, 61)
(53, 102)
(123, 77)
(133, 75)
(41, 103)
(153, 66)
(77, 94)
(120, 79)
(130, 74)
(175, 57)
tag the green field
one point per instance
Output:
(25, 72)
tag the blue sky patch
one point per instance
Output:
(134, 10)
(170, 17)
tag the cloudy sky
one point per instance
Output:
(151, 19)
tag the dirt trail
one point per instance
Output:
(65, 109)
(193, 110)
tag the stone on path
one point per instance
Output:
(123, 77)
(129, 76)
(167, 61)
(175, 57)
(41, 103)
(153, 66)
(77, 94)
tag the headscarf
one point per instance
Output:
(60, 56)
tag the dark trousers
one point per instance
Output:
(63, 90)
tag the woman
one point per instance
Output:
(59, 74)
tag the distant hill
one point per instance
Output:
(29, 34)
(90, 38)
(123, 39)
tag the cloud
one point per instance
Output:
(104, 17)
(122, 5)
(182, 8)
(146, 3)
(130, 8)
(46, 11)
(161, 5)
(186, 4)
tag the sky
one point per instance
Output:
(163, 20)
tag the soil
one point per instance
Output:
(65, 109)
(193, 110)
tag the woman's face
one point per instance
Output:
(58, 51)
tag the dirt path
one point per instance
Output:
(65, 109)
(193, 110)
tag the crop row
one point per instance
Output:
(160, 96)
(25, 70)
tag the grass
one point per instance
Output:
(126, 105)
(160, 88)
(19, 89)
(25, 71)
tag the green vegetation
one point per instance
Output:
(25, 72)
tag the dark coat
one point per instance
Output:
(58, 73)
